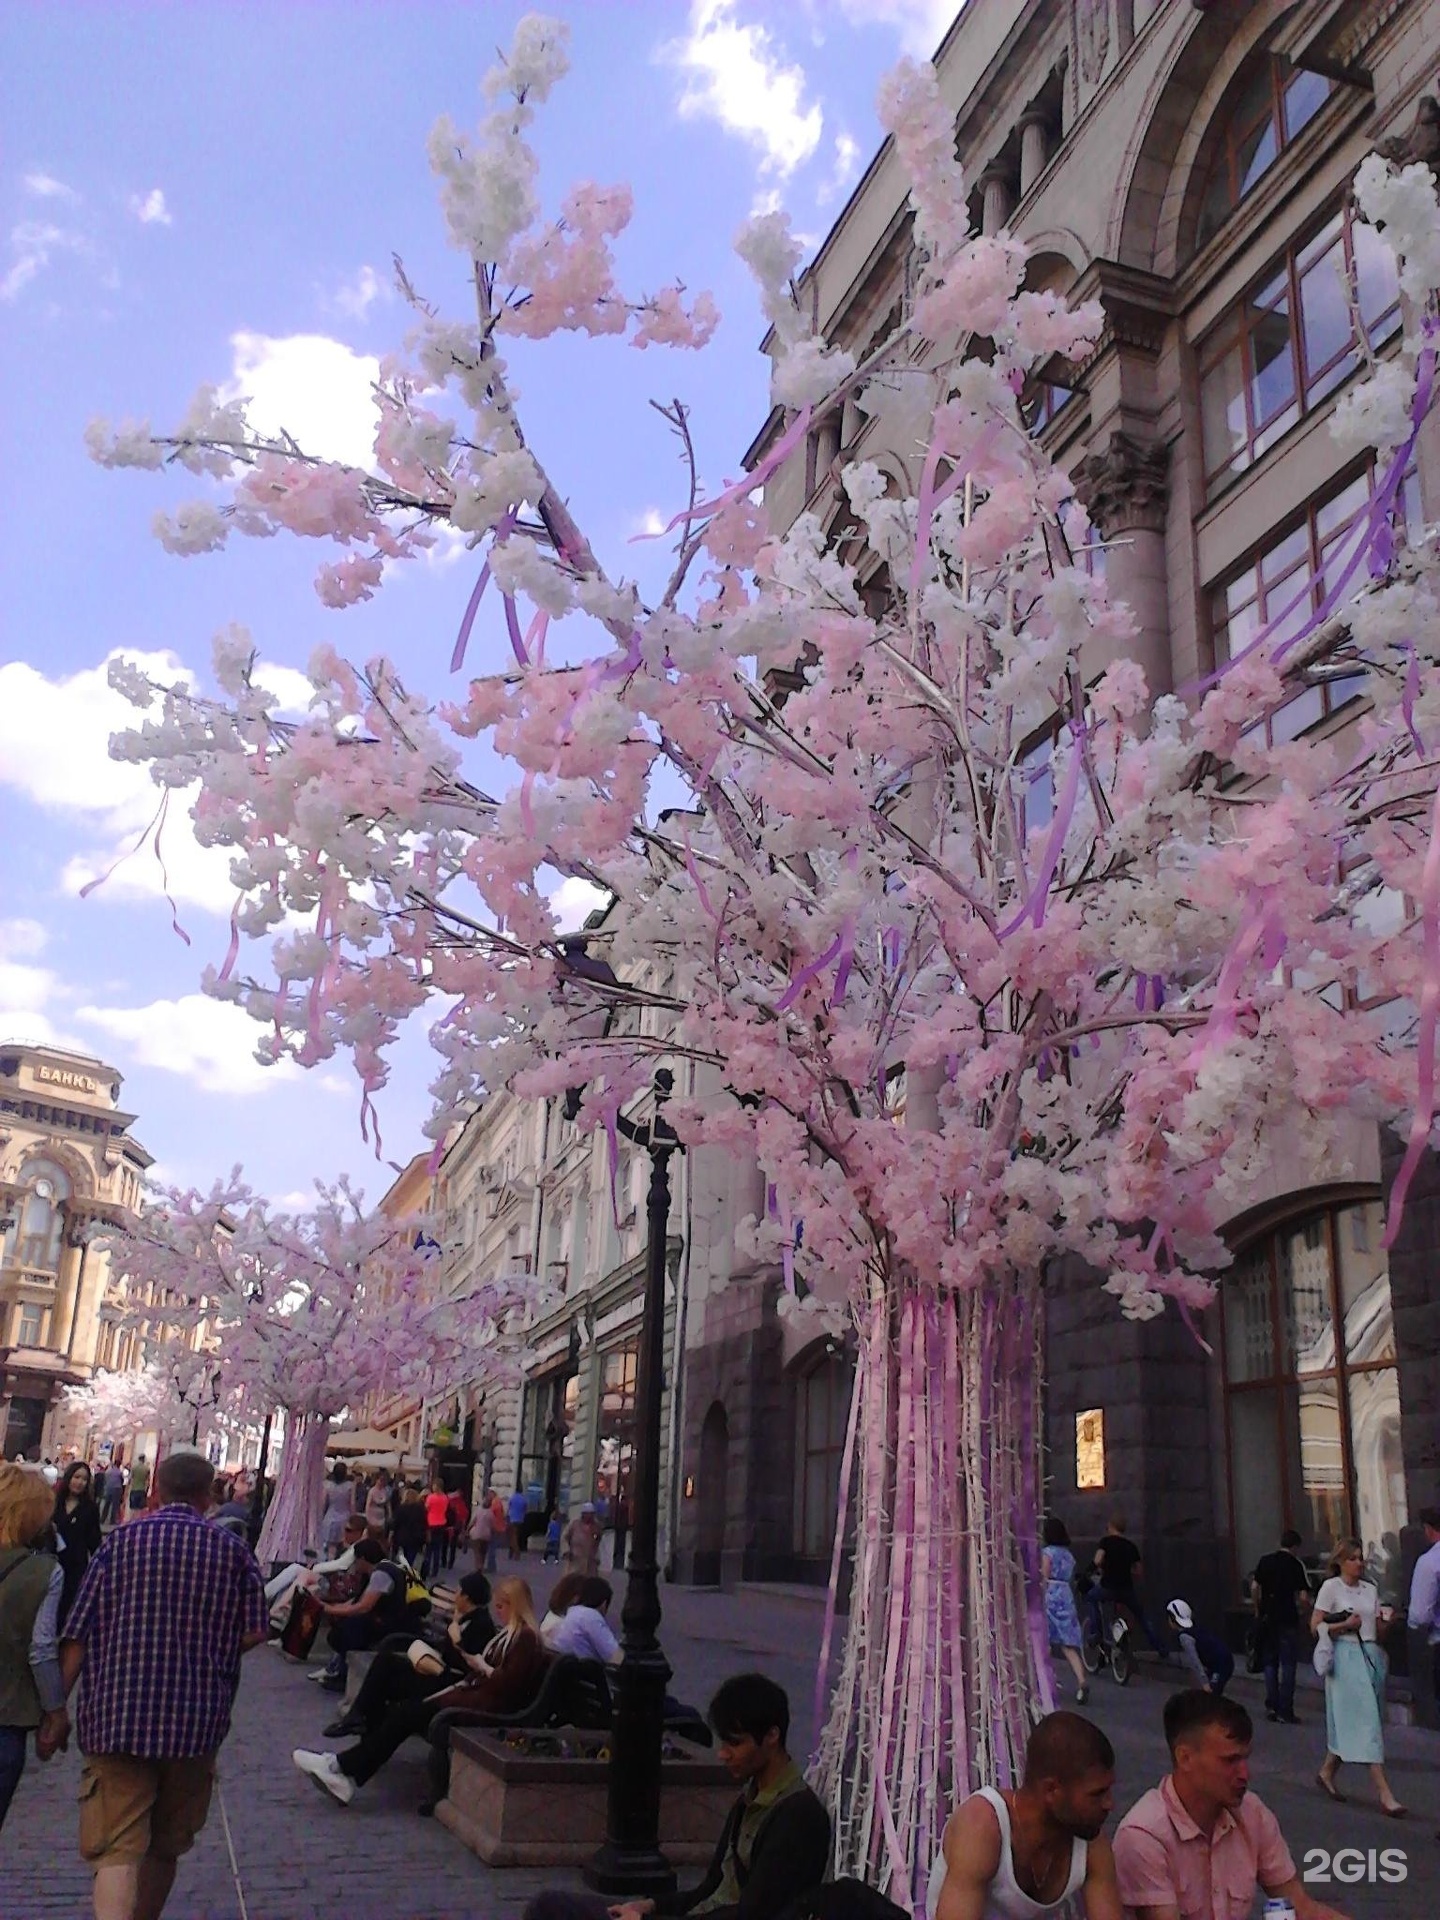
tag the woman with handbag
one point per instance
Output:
(503, 1679)
(1350, 1621)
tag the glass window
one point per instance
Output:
(822, 1413)
(1041, 401)
(1266, 109)
(1381, 1509)
(40, 1221)
(1249, 1322)
(30, 1331)
(615, 1427)
(1037, 785)
(1257, 1481)
(1314, 1425)
(1285, 586)
(1260, 370)
(1307, 1333)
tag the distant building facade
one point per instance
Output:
(69, 1168)
(1187, 164)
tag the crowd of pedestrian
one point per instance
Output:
(144, 1619)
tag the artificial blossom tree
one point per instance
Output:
(310, 1314)
(120, 1402)
(968, 1035)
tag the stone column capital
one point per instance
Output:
(1124, 487)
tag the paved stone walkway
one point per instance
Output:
(301, 1857)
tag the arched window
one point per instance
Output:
(35, 1237)
(1263, 112)
(1312, 1390)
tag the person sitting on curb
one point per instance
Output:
(401, 1669)
(1201, 1843)
(1203, 1653)
(1032, 1848)
(506, 1678)
(775, 1844)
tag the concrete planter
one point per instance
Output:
(515, 1806)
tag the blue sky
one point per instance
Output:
(213, 192)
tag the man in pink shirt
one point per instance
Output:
(1199, 1845)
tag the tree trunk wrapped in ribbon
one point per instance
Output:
(971, 1021)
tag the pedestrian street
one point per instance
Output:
(282, 1851)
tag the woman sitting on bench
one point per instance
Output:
(506, 1679)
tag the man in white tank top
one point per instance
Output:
(1025, 1851)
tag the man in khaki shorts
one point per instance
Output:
(167, 1607)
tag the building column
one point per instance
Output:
(996, 201)
(1034, 148)
(1125, 491)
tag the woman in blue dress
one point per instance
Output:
(1057, 1569)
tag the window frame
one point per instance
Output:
(832, 1369)
(1286, 1379)
(1322, 544)
(1230, 135)
(1232, 336)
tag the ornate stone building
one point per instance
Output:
(69, 1167)
(1185, 163)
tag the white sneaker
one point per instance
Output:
(324, 1770)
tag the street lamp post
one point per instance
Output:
(630, 1860)
(257, 1492)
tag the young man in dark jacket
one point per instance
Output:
(775, 1844)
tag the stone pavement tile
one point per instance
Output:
(301, 1857)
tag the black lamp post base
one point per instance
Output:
(636, 1871)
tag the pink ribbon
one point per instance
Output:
(512, 627)
(1425, 1038)
(1034, 906)
(740, 489)
(472, 607)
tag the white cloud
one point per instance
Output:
(650, 525)
(574, 900)
(288, 684)
(27, 990)
(150, 209)
(451, 545)
(313, 388)
(847, 169)
(46, 187)
(33, 245)
(54, 752)
(919, 25)
(21, 939)
(734, 74)
(356, 297)
(207, 1041)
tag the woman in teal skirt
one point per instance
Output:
(1355, 1682)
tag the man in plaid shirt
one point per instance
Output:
(167, 1607)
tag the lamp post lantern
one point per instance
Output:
(630, 1861)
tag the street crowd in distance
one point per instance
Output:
(135, 1594)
